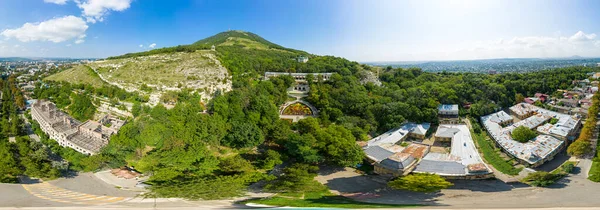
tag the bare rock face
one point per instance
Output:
(200, 71)
(368, 76)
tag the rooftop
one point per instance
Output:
(448, 107)
(395, 135)
(463, 153)
(538, 148)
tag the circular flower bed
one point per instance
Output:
(297, 109)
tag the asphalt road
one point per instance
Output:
(572, 191)
(85, 190)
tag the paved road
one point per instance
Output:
(87, 190)
(573, 191)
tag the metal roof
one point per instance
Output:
(378, 153)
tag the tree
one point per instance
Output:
(420, 183)
(541, 179)
(519, 98)
(523, 134)
(297, 178)
(579, 148)
(243, 135)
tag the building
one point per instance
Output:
(567, 102)
(302, 59)
(445, 133)
(87, 138)
(543, 97)
(531, 100)
(301, 85)
(463, 161)
(542, 148)
(389, 157)
(448, 114)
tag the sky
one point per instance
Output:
(359, 30)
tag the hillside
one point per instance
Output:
(80, 74)
(199, 71)
(238, 58)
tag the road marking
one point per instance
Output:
(50, 192)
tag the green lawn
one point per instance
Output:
(323, 200)
(594, 174)
(492, 157)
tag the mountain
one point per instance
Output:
(238, 58)
(246, 40)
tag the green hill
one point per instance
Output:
(229, 37)
(80, 74)
(241, 39)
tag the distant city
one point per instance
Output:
(493, 65)
(31, 65)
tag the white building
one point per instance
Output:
(463, 161)
(302, 59)
(87, 138)
(540, 149)
(448, 114)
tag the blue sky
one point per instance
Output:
(357, 30)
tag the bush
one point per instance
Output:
(420, 183)
(523, 134)
(568, 167)
(541, 179)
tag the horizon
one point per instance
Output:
(407, 31)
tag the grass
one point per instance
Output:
(80, 74)
(491, 156)
(320, 199)
(560, 169)
(594, 174)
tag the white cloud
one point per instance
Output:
(61, 2)
(152, 45)
(95, 10)
(582, 37)
(54, 30)
(79, 41)
(580, 43)
(141, 46)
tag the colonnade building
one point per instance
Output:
(87, 137)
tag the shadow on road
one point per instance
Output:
(490, 185)
(558, 160)
(28, 180)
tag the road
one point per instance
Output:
(572, 191)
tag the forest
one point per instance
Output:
(22, 156)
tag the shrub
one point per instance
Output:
(420, 183)
(568, 167)
(541, 179)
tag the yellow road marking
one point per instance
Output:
(50, 192)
